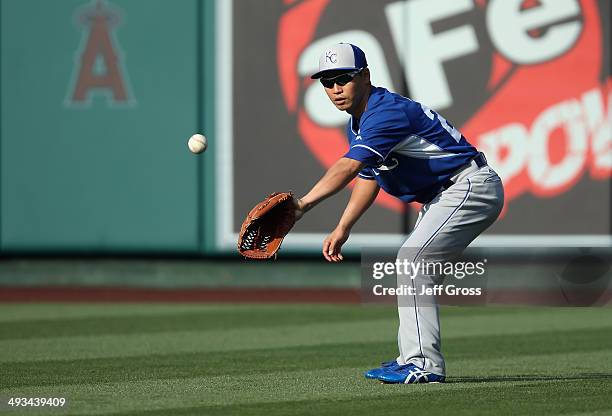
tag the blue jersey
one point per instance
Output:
(409, 149)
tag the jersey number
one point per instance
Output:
(445, 125)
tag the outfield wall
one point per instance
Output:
(98, 99)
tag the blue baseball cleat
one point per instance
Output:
(409, 374)
(377, 372)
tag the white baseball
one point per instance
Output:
(197, 143)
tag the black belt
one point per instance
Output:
(480, 162)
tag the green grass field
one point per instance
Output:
(191, 359)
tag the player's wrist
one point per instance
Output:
(304, 204)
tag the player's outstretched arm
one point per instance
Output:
(335, 179)
(364, 194)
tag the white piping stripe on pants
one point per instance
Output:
(446, 226)
(416, 311)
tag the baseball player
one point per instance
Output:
(414, 154)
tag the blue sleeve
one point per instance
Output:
(380, 133)
(367, 173)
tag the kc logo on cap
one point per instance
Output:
(341, 57)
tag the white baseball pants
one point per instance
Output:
(445, 227)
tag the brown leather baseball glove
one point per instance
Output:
(266, 225)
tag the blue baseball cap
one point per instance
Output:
(339, 57)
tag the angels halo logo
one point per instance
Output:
(542, 111)
(99, 67)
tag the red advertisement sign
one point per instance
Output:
(526, 81)
(543, 115)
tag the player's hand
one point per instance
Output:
(333, 244)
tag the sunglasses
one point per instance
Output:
(341, 79)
